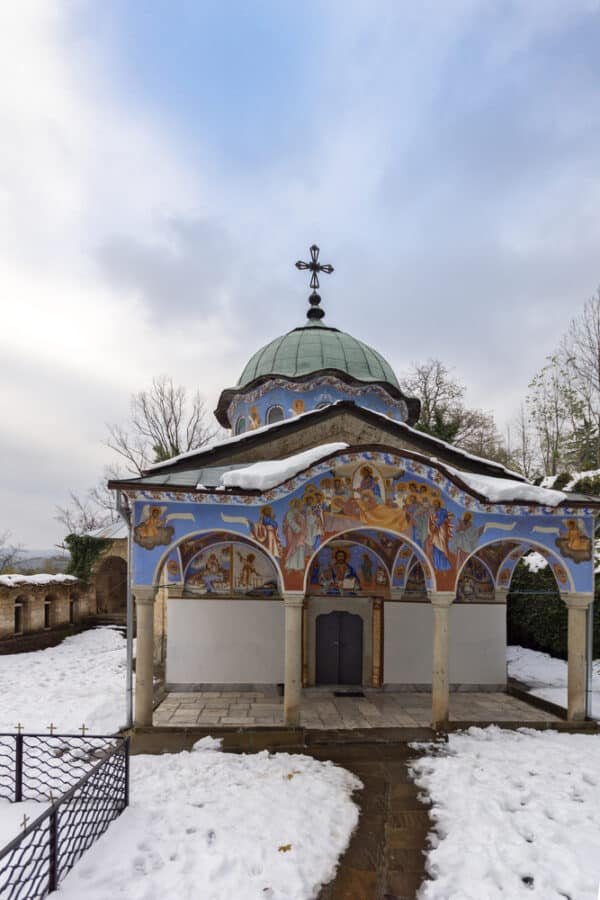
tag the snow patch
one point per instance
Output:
(516, 814)
(81, 681)
(222, 826)
(268, 474)
(535, 562)
(545, 676)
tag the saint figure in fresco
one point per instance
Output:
(248, 569)
(295, 533)
(254, 418)
(344, 576)
(315, 527)
(368, 488)
(213, 574)
(265, 532)
(440, 533)
(465, 538)
(366, 568)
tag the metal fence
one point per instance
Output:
(83, 782)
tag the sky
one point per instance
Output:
(164, 164)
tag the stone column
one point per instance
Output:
(440, 687)
(577, 605)
(144, 662)
(293, 657)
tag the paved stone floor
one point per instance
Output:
(321, 709)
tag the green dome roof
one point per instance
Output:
(313, 348)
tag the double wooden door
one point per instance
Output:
(339, 648)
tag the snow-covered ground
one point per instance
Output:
(516, 813)
(546, 677)
(81, 681)
(11, 818)
(222, 826)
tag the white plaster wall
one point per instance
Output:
(477, 644)
(224, 641)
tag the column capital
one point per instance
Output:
(293, 598)
(577, 599)
(441, 599)
(144, 594)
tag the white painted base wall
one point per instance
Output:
(224, 642)
(477, 644)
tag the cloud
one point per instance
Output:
(153, 200)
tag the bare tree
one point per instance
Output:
(444, 414)
(549, 402)
(164, 422)
(524, 454)
(580, 358)
(10, 554)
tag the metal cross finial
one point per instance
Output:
(19, 728)
(51, 727)
(25, 822)
(314, 266)
(83, 729)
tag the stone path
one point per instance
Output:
(322, 710)
(386, 856)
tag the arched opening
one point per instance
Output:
(274, 414)
(50, 611)
(111, 586)
(240, 425)
(74, 609)
(514, 590)
(21, 617)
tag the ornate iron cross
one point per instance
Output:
(314, 266)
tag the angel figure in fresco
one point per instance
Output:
(265, 531)
(440, 534)
(254, 418)
(296, 536)
(248, 569)
(298, 406)
(575, 544)
(153, 530)
(465, 538)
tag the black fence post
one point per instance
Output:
(53, 852)
(18, 767)
(126, 751)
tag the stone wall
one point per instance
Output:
(28, 607)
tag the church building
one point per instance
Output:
(328, 541)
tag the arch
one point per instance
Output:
(227, 569)
(476, 582)
(240, 425)
(22, 614)
(564, 581)
(233, 536)
(111, 585)
(427, 567)
(74, 608)
(50, 610)
(274, 414)
(377, 587)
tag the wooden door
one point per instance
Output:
(339, 648)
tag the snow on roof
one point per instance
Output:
(505, 490)
(112, 532)
(311, 412)
(264, 475)
(236, 438)
(16, 579)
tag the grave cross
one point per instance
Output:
(83, 729)
(25, 822)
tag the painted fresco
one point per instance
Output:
(475, 584)
(375, 494)
(152, 529)
(229, 569)
(350, 569)
(292, 399)
(416, 587)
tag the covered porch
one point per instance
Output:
(330, 709)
